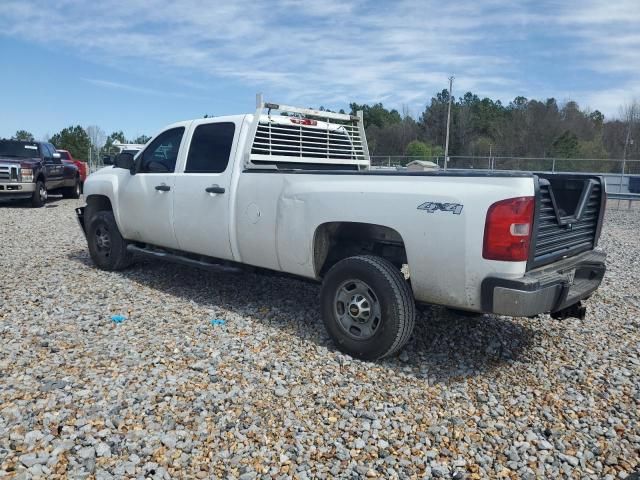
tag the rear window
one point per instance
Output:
(9, 148)
(64, 155)
(210, 148)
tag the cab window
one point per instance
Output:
(161, 154)
(47, 154)
(210, 148)
(52, 150)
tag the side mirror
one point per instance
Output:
(56, 155)
(126, 161)
(107, 160)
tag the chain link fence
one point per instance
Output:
(621, 176)
(586, 165)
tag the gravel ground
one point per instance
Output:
(166, 394)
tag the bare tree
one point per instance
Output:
(98, 138)
(96, 135)
(630, 114)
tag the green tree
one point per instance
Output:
(119, 136)
(433, 121)
(74, 139)
(376, 115)
(142, 139)
(592, 149)
(108, 148)
(597, 118)
(417, 148)
(23, 135)
(566, 145)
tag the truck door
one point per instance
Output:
(54, 169)
(203, 196)
(145, 200)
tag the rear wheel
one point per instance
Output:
(367, 307)
(39, 196)
(107, 248)
(74, 191)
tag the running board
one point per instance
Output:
(181, 259)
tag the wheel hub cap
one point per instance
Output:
(357, 309)
(103, 240)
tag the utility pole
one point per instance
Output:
(626, 140)
(631, 113)
(490, 158)
(624, 152)
(446, 145)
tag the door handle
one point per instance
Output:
(214, 189)
(163, 188)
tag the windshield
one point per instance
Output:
(9, 148)
(64, 155)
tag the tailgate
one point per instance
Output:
(568, 216)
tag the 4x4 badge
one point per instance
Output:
(432, 207)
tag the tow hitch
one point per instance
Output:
(577, 310)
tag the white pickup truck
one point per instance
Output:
(294, 192)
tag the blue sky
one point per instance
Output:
(137, 65)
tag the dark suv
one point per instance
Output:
(30, 170)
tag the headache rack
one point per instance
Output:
(304, 138)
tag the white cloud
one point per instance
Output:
(334, 51)
(122, 86)
(605, 43)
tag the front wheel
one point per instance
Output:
(39, 196)
(367, 307)
(107, 248)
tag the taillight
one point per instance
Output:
(507, 230)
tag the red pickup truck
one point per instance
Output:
(66, 157)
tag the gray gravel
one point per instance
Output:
(166, 394)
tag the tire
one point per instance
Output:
(74, 191)
(107, 248)
(39, 196)
(367, 307)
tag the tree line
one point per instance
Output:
(84, 143)
(479, 127)
(484, 127)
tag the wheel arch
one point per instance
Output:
(334, 241)
(97, 202)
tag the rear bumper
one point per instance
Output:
(547, 289)
(11, 190)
